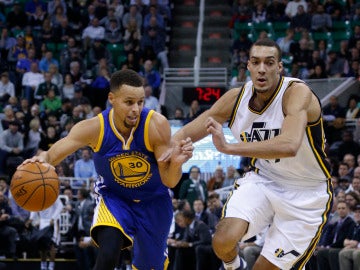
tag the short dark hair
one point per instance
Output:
(267, 42)
(127, 77)
(194, 167)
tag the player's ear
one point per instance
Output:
(281, 67)
(111, 97)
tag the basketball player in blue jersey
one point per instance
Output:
(129, 141)
(277, 122)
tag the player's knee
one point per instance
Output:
(222, 245)
(108, 256)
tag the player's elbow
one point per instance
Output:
(291, 150)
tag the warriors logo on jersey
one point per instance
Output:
(130, 169)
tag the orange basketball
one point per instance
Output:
(35, 186)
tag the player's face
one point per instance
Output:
(128, 103)
(264, 68)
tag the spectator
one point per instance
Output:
(194, 250)
(46, 61)
(207, 217)
(8, 234)
(113, 32)
(335, 235)
(286, 42)
(133, 13)
(84, 211)
(69, 53)
(11, 148)
(194, 111)
(336, 66)
(347, 145)
(48, 236)
(217, 180)
(230, 177)
(51, 103)
(151, 76)
(349, 159)
(241, 11)
(32, 138)
(44, 87)
(132, 38)
(275, 11)
(84, 167)
(150, 102)
(92, 32)
(318, 72)
(321, 21)
(154, 38)
(37, 18)
(31, 6)
(7, 88)
(68, 89)
(99, 51)
(352, 110)
(16, 19)
(153, 12)
(58, 17)
(291, 8)
(214, 204)
(30, 81)
(194, 187)
(349, 256)
(48, 139)
(100, 88)
(53, 4)
(6, 43)
(63, 31)
(17, 51)
(352, 199)
(9, 116)
(259, 13)
(334, 116)
(301, 21)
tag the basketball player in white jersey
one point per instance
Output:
(277, 122)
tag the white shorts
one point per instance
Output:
(296, 217)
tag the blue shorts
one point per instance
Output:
(145, 224)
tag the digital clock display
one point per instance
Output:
(205, 95)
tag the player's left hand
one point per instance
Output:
(216, 130)
(178, 153)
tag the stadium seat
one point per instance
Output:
(340, 35)
(341, 26)
(321, 35)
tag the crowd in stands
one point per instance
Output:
(56, 61)
(319, 39)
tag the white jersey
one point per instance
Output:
(308, 167)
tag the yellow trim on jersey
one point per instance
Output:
(272, 98)
(317, 155)
(233, 114)
(126, 144)
(105, 218)
(309, 251)
(101, 133)
(146, 132)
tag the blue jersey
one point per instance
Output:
(127, 168)
(133, 197)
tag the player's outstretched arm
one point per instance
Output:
(82, 134)
(300, 106)
(170, 157)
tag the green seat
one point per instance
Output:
(118, 54)
(243, 27)
(341, 26)
(341, 35)
(321, 35)
(263, 26)
(280, 26)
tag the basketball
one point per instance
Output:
(35, 186)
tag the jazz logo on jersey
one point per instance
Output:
(259, 133)
(130, 169)
(279, 253)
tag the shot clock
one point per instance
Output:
(205, 95)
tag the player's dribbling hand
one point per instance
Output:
(34, 159)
